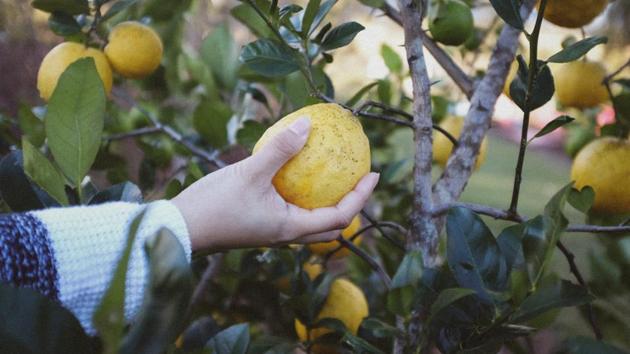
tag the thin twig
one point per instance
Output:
(211, 157)
(134, 133)
(366, 257)
(387, 224)
(576, 272)
(463, 81)
(384, 107)
(372, 221)
(617, 72)
(531, 78)
(214, 264)
(500, 214)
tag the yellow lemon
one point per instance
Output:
(345, 302)
(573, 13)
(442, 146)
(322, 248)
(134, 49)
(335, 157)
(603, 165)
(510, 77)
(579, 84)
(58, 60)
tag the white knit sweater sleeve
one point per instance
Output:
(87, 243)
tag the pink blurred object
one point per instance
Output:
(606, 116)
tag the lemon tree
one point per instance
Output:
(139, 99)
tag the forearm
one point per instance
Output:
(70, 254)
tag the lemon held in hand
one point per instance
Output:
(58, 60)
(345, 302)
(573, 13)
(134, 50)
(442, 146)
(603, 165)
(335, 157)
(323, 248)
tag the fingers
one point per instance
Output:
(320, 237)
(281, 148)
(308, 222)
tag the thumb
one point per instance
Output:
(282, 147)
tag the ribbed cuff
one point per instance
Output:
(88, 242)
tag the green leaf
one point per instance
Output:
(583, 199)
(409, 271)
(109, 317)
(269, 58)
(560, 294)
(341, 35)
(510, 243)
(508, 10)
(72, 7)
(15, 187)
(359, 345)
(63, 24)
(324, 9)
(124, 192)
(553, 125)
(359, 95)
(163, 314)
(42, 172)
(210, 120)
(248, 16)
(384, 91)
(391, 58)
(234, 340)
(33, 323)
(220, 53)
(446, 297)
(74, 120)
(373, 3)
(585, 345)
(542, 87)
(473, 254)
(117, 8)
(380, 329)
(31, 126)
(249, 134)
(404, 284)
(309, 15)
(577, 49)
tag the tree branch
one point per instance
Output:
(463, 81)
(366, 257)
(373, 222)
(578, 276)
(460, 165)
(134, 133)
(210, 157)
(214, 264)
(500, 214)
(388, 224)
(423, 235)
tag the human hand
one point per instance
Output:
(238, 206)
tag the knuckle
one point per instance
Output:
(285, 144)
(343, 221)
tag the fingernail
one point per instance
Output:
(375, 176)
(301, 126)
